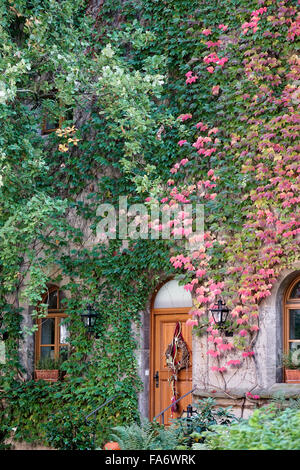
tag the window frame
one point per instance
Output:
(289, 304)
(45, 114)
(56, 313)
(46, 131)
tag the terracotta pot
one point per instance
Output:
(292, 376)
(111, 446)
(48, 375)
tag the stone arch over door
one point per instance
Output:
(168, 294)
(270, 343)
(169, 313)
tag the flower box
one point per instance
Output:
(51, 375)
(292, 376)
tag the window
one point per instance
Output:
(52, 115)
(50, 124)
(52, 333)
(292, 317)
(171, 294)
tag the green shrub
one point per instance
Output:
(4, 434)
(54, 413)
(67, 430)
(183, 433)
(27, 407)
(267, 429)
(147, 436)
(207, 415)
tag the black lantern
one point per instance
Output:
(189, 412)
(220, 313)
(89, 317)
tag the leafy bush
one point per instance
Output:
(148, 436)
(27, 407)
(54, 413)
(4, 434)
(183, 433)
(67, 430)
(267, 429)
(206, 415)
(282, 402)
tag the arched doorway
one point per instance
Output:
(291, 320)
(169, 313)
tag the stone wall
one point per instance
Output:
(262, 373)
(243, 407)
(265, 370)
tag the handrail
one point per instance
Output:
(95, 411)
(162, 413)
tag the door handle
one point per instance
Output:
(156, 378)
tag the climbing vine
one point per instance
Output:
(174, 102)
(261, 144)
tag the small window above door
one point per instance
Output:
(295, 292)
(171, 295)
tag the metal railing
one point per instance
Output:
(95, 412)
(109, 400)
(162, 413)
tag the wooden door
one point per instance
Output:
(162, 331)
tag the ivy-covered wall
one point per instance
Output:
(204, 89)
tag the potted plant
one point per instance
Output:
(47, 369)
(291, 369)
(112, 445)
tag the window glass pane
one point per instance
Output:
(48, 330)
(172, 295)
(50, 122)
(51, 299)
(294, 324)
(47, 352)
(295, 294)
(62, 297)
(64, 333)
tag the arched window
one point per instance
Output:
(52, 333)
(292, 317)
(171, 295)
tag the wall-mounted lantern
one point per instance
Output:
(220, 313)
(89, 318)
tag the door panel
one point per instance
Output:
(163, 326)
